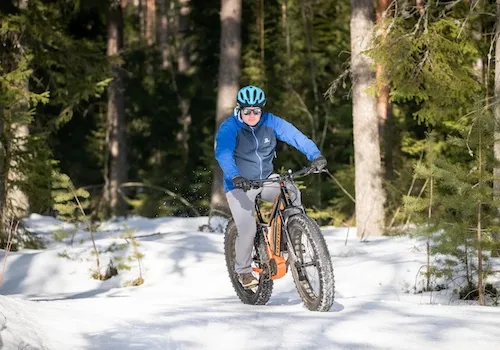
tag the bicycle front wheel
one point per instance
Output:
(261, 294)
(313, 270)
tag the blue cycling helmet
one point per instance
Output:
(251, 96)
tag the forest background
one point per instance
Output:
(111, 107)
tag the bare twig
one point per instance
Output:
(8, 247)
(414, 179)
(306, 110)
(340, 185)
(89, 226)
(334, 85)
(419, 195)
(154, 187)
(166, 191)
(347, 234)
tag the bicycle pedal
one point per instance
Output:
(252, 286)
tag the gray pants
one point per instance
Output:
(242, 205)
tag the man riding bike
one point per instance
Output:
(245, 149)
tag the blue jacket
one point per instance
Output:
(249, 151)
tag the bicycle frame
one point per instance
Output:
(275, 233)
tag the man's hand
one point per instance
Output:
(319, 163)
(241, 182)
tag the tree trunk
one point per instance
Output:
(496, 147)
(16, 201)
(150, 21)
(163, 32)
(262, 35)
(229, 74)
(480, 282)
(384, 107)
(370, 196)
(286, 33)
(141, 13)
(184, 64)
(312, 68)
(116, 164)
(496, 112)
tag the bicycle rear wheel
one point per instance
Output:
(313, 270)
(254, 296)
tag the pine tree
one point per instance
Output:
(17, 107)
(459, 209)
(44, 81)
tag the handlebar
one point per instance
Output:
(288, 176)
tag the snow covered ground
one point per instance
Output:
(49, 301)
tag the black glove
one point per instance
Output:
(319, 163)
(241, 182)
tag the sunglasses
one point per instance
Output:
(247, 111)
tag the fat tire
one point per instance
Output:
(301, 224)
(265, 288)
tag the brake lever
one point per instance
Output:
(318, 171)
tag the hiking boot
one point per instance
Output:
(248, 280)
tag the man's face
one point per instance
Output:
(251, 115)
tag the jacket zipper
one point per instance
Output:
(256, 153)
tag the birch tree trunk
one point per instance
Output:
(116, 164)
(370, 196)
(229, 74)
